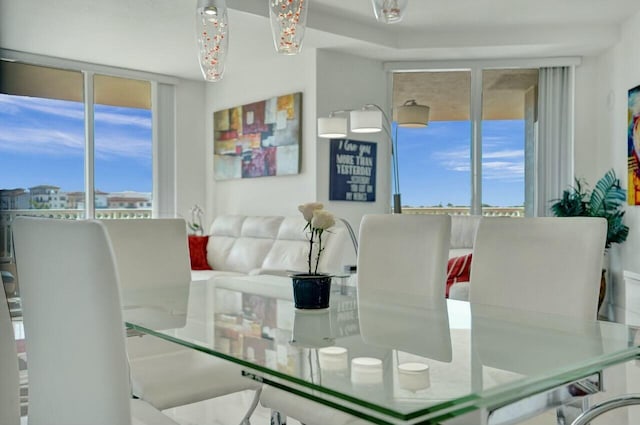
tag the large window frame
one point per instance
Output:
(163, 100)
(476, 67)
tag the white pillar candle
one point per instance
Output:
(366, 370)
(414, 376)
(333, 359)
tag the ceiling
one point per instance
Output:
(158, 35)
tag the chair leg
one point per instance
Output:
(566, 414)
(254, 403)
(278, 418)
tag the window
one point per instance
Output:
(451, 166)
(435, 161)
(50, 166)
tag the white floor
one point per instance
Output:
(227, 410)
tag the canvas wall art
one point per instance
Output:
(258, 139)
(633, 146)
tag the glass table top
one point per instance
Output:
(396, 361)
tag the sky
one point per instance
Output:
(435, 163)
(42, 142)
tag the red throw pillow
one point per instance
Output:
(198, 252)
(458, 270)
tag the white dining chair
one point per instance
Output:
(9, 383)
(544, 264)
(403, 258)
(402, 264)
(78, 371)
(547, 264)
(153, 254)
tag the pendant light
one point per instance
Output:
(212, 34)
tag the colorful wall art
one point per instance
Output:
(633, 146)
(258, 139)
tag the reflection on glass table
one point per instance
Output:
(393, 364)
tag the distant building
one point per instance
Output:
(47, 197)
(14, 199)
(117, 202)
(76, 200)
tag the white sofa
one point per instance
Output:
(251, 245)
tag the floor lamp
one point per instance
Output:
(371, 118)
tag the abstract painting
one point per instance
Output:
(258, 139)
(633, 146)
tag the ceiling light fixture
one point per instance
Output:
(288, 22)
(212, 35)
(389, 11)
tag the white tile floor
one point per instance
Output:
(227, 410)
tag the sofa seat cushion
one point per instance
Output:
(205, 275)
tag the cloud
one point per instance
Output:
(511, 166)
(33, 126)
(123, 119)
(41, 141)
(15, 105)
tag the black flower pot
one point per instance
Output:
(311, 291)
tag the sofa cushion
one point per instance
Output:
(240, 243)
(458, 270)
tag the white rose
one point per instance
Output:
(308, 209)
(322, 220)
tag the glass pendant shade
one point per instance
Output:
(412, 115)
(332, 127)
(212, 34)
(288, 22)
(389, 11)
(365, 121)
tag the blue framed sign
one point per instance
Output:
(353, 171)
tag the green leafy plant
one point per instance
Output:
(605, 200)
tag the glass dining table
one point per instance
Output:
(387, 363)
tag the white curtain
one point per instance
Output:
(554, 148)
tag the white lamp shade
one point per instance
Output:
(332, 127)
(364, 121)
(412, 115)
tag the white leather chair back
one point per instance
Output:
(9, 383)
(78, 371)
(549, 264)
(152, 258)
(403, 259)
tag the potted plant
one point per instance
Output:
(311, 290)
(605, 200)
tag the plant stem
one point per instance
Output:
(319, 249)
(310, 248)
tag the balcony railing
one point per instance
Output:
(7, 217)
(486, 211)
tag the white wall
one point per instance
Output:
(328, 81)
(254, 74)
(345, 81)
(602, 125)
(191, 164)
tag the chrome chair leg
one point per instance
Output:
(278, 418)
(254, 403)
(568, 413)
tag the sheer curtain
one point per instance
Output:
(554, 150)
